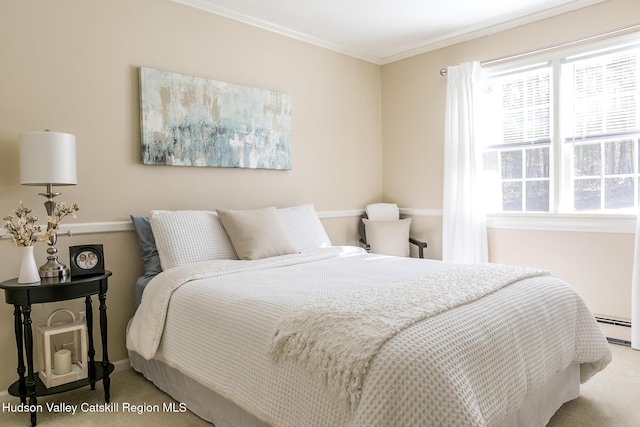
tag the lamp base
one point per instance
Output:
(53, 268)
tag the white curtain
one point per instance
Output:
(635, 292)
(464, 232)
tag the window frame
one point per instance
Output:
(561, 214)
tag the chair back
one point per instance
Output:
(382, 212)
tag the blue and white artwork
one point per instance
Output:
(192, 121)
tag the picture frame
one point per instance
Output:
(194, 121)
(86, 260)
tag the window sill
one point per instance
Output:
(583, 222)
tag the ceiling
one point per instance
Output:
(383, 31)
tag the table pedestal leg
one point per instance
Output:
(106, 380)
(22, 385)
(28, 347)
(92, 351)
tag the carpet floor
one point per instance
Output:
(610, 399)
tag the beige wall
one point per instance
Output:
(597, 264)
(413, 100)
(72, 66)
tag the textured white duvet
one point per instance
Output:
(469, 366)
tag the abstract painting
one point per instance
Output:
(192, 121)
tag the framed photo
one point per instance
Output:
(86, 260)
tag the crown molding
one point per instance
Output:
(478, 32)
(265, 25)
(427, 46)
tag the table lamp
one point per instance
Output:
(48, 158)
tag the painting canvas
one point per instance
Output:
(192, 121)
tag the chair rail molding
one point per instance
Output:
(592, 222)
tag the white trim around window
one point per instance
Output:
(582, 222)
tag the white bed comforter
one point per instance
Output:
(469, 366)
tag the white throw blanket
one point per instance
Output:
(336, 338)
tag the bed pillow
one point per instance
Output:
(257, 233)
(185, 237)
(304, 227)
(388, 237)
(147, 244)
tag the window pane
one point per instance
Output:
(587, 159)
(538, 196)
(618, 157)
(513, 127)
(511, 164)
(520, 106)
(539, 123)
(512, 196)
(618, 193)
(490, 161)
(588, 103)
(605, 94)
(537, 163)
(586, 194)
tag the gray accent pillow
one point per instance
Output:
(149, 253)
(147, 244)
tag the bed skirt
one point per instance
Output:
(536, 411)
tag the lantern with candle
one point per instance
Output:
(62, 350)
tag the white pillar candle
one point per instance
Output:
(62, 362)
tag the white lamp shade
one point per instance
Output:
(47, 158)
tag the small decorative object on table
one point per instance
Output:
(21, 226)
(28, 267)
(86, 260)
(63, 350)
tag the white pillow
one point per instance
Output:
(185, 237)
(388, 237)
(304, 227)
(257, 233)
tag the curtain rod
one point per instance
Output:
(443, 71)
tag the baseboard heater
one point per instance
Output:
(614, 322)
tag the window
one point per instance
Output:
(519, 138)
(563, 136)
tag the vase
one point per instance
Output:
(28, 268)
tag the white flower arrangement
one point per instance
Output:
(24, 231)
(60, 211)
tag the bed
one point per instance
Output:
(253, 318)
